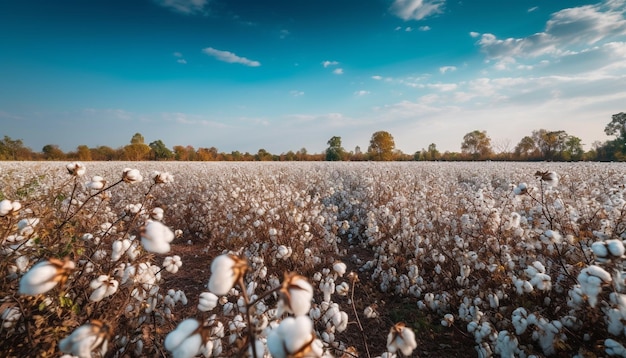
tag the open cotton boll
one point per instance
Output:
(226, 270)
(401, 338)
(26, 227)
(103, 286)
(5, 207)
(185, 341)
(614, 348)
(86, 339)
(339, 268)
(615, 247)
(76, 168)
(96, 183)
(44, 276)
(207, 301)
(172, 263)
(293, 335)
(157, 214)
(156, 237)
(131, 176)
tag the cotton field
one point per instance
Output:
(160, 259)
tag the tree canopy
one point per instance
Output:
(381, 146)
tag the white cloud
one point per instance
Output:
(474, 34)
(296, 93)
(567, 28)
(408, 29)
(177, 54)
(230, 57)
(182, 61)
(416, 9)
(329, 63)
(444, 69)
(533, 8)
(424, 28)
(184, 6)
(338, 71)
(361, 93)
(377, 77)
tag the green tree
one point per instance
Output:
(263, 155)
(477, 144)
(381, 146)
(14, 149)
(617, 126)
(573, 149)
(525, 148)
(104, 152)
(160, 151)
(52, 152)
(137, 139)
(550, 143)
(83, 153)
(137, 149)
(335, 151)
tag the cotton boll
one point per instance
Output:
(156, 237)
(614, 348)
(103, 286)
(615, 247)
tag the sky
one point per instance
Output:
(244, 75)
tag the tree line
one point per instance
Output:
(540, 145)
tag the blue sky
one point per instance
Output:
(283, 75)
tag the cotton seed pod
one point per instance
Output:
(226, 270)
(296, 294)
(86, 339)
(45, 275)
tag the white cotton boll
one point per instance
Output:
(614, 322)
(339, 268)
(614, 348)
(157, 214)
(96, 183)
(131, 176)
(119, 248)
(22, 263)
(103, 286)
(283, 252)
(599, 249)
(542, 282)
(156, 237)
(26, 227)
(172, 263)
(438, 269)
(327, 287)
(44, 276)
(494, 301)
(84, 340)
(615, 247)
(519, 320)
(520, 189)
(182, 341)
(448, 320)
(340, 320)
(506, 345)
(342, 289)
(291, 336)
(207, 301)
(10, 316)
(370, 311)
(5, 207)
